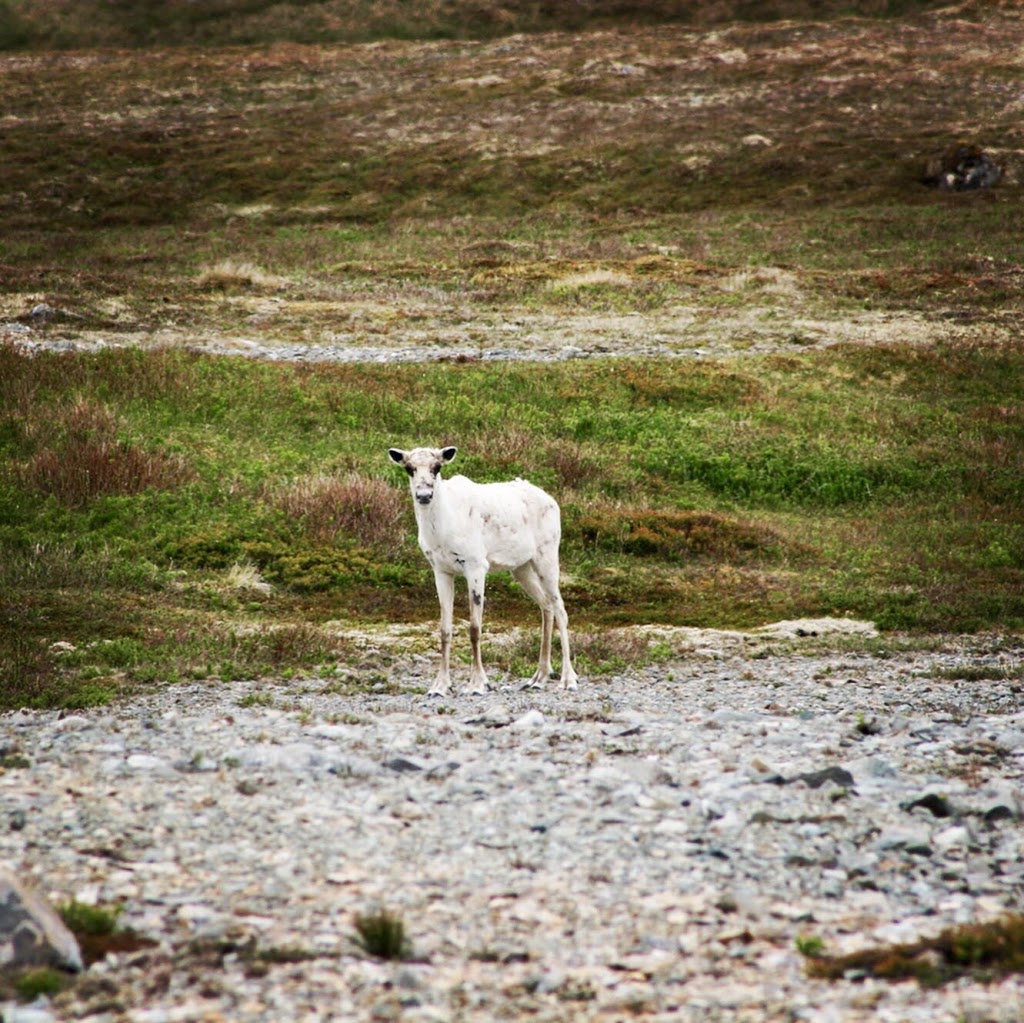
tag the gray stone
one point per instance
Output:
(576, 848)
(31, 932)
(836, 775)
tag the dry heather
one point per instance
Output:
(744, 185)
(356, 507)
(33, 23)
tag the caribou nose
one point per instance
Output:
(424, 496)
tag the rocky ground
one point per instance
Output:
(679, 332)
(651, 846)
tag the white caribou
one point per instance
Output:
(467, 528)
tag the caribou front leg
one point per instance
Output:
(475, 584)
(446, 597)
(530, 581)
(570, 680)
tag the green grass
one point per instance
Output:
(243, 504)
(381, 934)
(82, 918)
(98, 931)
(168, 516)
(43, 982)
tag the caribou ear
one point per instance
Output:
(396, 455)
(447, 454)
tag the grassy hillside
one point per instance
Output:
(833, 424)
(161, 510)
(728, 184)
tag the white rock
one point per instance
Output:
(530, 721)
(146, 762)
(951, 838)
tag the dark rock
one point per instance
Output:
(796, 860)
(815, 779)
(938, 805)
(401, 765)
(961, 168)
(1000, 812)
(868, 727)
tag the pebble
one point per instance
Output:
(651, 846)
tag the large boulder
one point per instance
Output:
(961, 168)
(31, 933)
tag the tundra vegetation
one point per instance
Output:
(745, 189)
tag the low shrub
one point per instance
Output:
(650, 533)
(80, 457)
(358, 507)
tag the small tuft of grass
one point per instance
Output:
(381, 934)
(283, 955)
(810, 945)
(613, 650)
(246, 576)
(99, 932)
(46, 982)
(230, 275)
(257, 700)
(82, 918)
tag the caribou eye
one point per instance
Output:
(435, 469)
(409, 469)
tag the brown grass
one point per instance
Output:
(645, 532)
(611, 650)
(231, 274)
(357, 507)
(985, 952)
(30, 23)
(82, 458)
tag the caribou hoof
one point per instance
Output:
(477, 688)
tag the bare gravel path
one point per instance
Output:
(519, 336)
(650, 847)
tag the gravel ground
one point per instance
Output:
(519, 336)
(650, 847)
